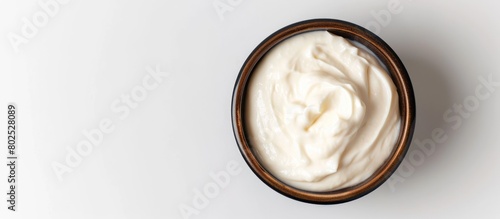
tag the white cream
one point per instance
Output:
(321, 114)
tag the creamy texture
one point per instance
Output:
(321, 114)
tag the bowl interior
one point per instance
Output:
(394, 67)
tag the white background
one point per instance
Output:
(66, 77)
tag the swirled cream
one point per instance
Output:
(321, 114)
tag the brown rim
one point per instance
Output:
(398, 75)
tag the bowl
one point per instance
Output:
(397, 73)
